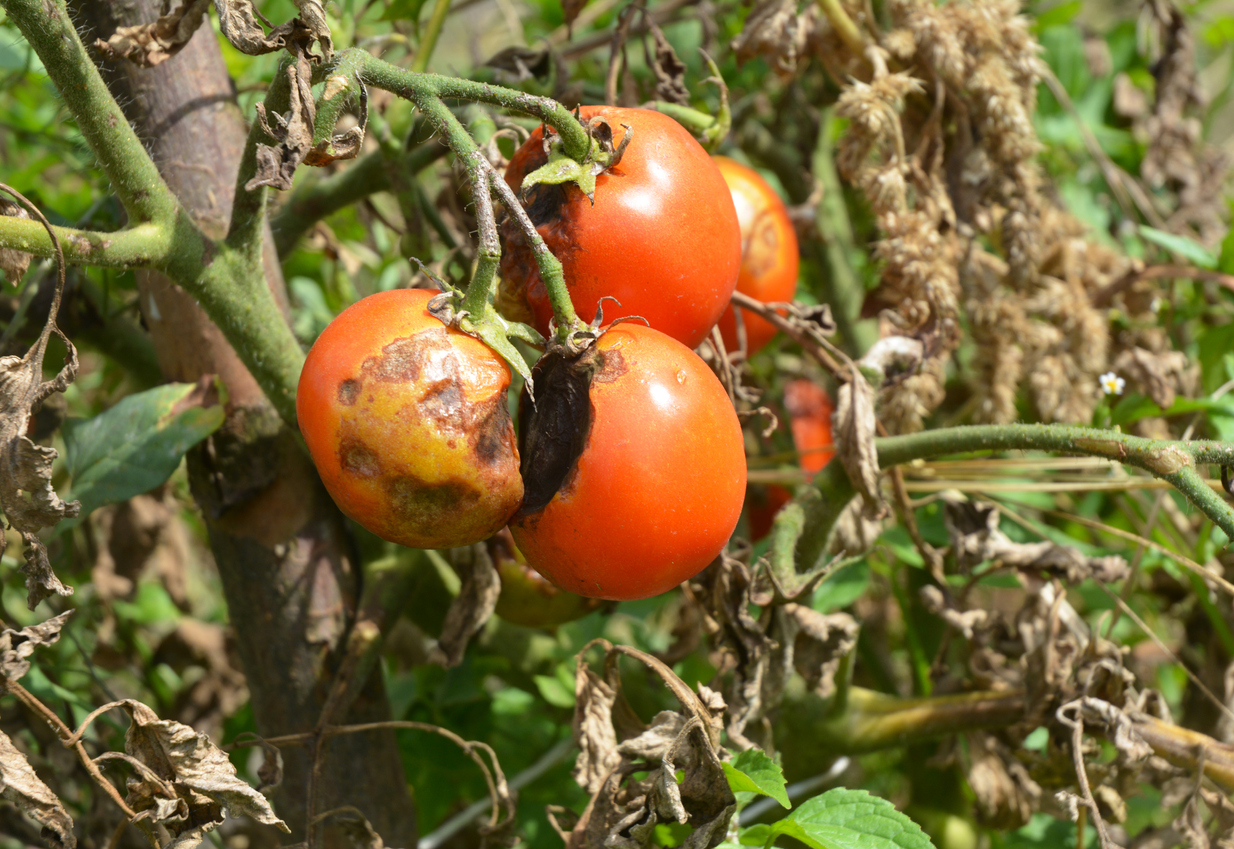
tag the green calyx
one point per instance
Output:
(561, 169)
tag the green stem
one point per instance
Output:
(843, 25)
(248, 209)
(139, 246)
(695, 121)
(873, 721)
(134, 177)
(435, 22)
(417, 87)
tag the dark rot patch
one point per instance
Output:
(612, 366)
(444, 404)
(426, 504)
(405, 359)
(492, 436)
(358, 459)
(349, 391)
(553, 431)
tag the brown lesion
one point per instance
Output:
(349, 391)
(356, 458)
(426, 504)
(612, 366)
(492, 437)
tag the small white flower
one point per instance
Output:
(1112, 384)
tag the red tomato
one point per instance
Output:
(526, 598)
(657, 486)
(662, 237)
(809, 410)
(408, 425)
(769, 256)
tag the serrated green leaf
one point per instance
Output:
(852, 819)
(134, 446)
(752, 771)
(1192, 251)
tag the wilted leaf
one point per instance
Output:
(570, 10)
(239, 20)
(1159, 374)
(593, 729)
(26, 495)
(670, 71)
(199, 772)
(276, 166)
(16, 646)
(20, 786)
(774, 30)
(851, 819)
(147, 45)
(752, 771)
(854, 437)
(1007, 796)
(472, 607)
(13, 264)
(138, 444)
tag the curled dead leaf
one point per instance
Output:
(147, 45)
(472, 607)
(20, 786)
(854, 438)
(17, 646)
(27, 498)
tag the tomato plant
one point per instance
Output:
(651, 481)
(661, 237)
(769, 255)
(408, 425)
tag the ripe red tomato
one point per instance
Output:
(658, 473)
(769, 255)
(526, 598)
(809, 411)
(408, 425)
(662, 237)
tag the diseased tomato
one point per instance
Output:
(634, 465)
(662, 236)
(528, 599)
(408, 425)
(769, 255)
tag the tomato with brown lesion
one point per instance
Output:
(407, 422)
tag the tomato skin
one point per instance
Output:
(809, 411)
(662, 237)
(658, 488)
(769, 253)
(408, 425)
(528, 599)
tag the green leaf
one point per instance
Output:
(842, 587)
(1190, 250)
(752, 771)
(136, 445)
(851, 819)
(1060, 15)
(553, 691)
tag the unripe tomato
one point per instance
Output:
(662, 236)
(528, 599)
(407, 422)
(651, 486)
(769, 255)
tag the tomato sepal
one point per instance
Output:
(487, 325)
(561, 168)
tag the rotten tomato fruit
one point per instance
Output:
(633, 463)
(407, 422)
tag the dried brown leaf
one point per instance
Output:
(26, 495)
(20, 786)
(16, 646)
(670, 71)
(472, 607)
(276, 166)
(1007, 796)
(13, 264)
(570, 10)
(147, 45)
(202, 777)
(242, 26)
(593, 729)
(775, 31)
(821, 643)
(1158, 374)
(854, 438)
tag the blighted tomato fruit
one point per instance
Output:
(769, 254)
(407, 422)
(528, 599)
(633, 463)
(661, 236)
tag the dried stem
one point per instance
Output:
(67, 738)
